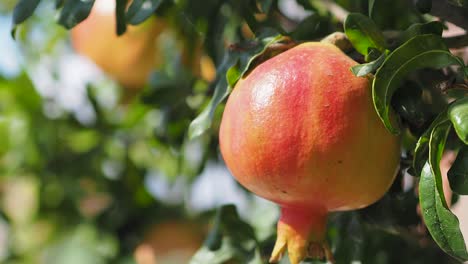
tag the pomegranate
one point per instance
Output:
(300, 130)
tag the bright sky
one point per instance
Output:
(9, 55)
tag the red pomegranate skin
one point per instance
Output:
(300, 130)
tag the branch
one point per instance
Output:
(457, 41)
(451, 13)
(336, 10)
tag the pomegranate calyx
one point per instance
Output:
(301, 232)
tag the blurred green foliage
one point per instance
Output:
(84, 177)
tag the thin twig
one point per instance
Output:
(451, 13)
(336, 10)
(459, 41)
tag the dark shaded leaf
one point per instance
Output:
(140, 10)
(370, 67)
(165, 90)
(23, 10)
(408, 102)
(363, 33)
(458, 114)
(231, 239)
(73, 12)
(308, 28)
(421, 151)
(424, 6)
(433, 27)
(458, 173)
(120, 16)
(419, 52)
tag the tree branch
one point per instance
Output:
(457, 41)
(451, 13)
(337, 11)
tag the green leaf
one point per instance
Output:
(422, 147)
(73, 12)
(441, 223)
(419, 52)
(433, 27)
(456, 93)
(436, 149)
(231, 239)
(237, 62)
(23, 10)
(140, 10)
(363, 33)
(203, 121)
(120, 16)
(458, 173)
(366, 68)
(458, 114)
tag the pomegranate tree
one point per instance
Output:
(300, 130)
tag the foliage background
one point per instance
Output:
(88, 174)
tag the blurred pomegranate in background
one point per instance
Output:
(170, 242)
(129, 58)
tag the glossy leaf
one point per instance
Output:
(235, 64)
(419, 52)
(363, 33)
(442, 224)
(458, 173)
(422, 147)
(370, 67)
(73, 12)
(458, 113)
(140, 10)
(23, 10)
(436, 149)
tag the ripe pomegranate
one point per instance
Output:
(129, 58)
(300, 130)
